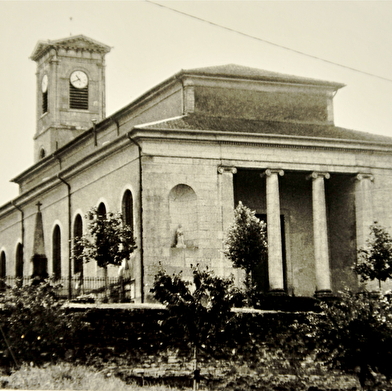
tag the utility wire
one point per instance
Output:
(268, 42)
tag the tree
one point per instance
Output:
(246, 242)
(107, 242)
(375, 260)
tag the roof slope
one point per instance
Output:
(244, 72)
(239, 125)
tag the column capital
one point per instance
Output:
(318, 174)
(270, 171)
(227, 170)
(360, 176)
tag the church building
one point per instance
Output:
(177, 160)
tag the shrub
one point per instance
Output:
(201, 309)
(353, 334)
(35, 325)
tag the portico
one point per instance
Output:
(308, 243)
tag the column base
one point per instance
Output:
(324, 293)
(277, 292)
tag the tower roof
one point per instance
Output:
(75, 42)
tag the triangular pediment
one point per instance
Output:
(77, 42)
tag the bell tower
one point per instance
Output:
(70, 90)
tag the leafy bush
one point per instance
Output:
(202, 309)
(35, 325)
(353, 334)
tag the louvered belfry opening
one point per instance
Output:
(44, 102)
(78, 97)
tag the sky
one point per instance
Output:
(151, 42)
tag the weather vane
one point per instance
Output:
(70, 20)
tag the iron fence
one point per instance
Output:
(98, 287)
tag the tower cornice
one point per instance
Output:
(77, 43)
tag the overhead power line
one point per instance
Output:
(268, 42)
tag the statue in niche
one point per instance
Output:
(125, 275)
(125, 271)
(180, 237)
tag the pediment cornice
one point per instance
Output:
(77, 43)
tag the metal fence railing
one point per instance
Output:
(99, 287)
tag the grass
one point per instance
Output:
(68, 377)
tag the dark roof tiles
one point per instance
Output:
(244, 72)
(239, 125)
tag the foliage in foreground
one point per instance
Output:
(246, 242)
(353, 334)
(107, 242)
(375, 259)
(69, 377)
(35, 325)
(203, 308)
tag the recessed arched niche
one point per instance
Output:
(183, 216)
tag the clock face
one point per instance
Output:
(44, 83)
(79, 79)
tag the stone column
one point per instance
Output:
(363, 207)
(320, 233)
(364, 214)
(275, 257)
(226, 201)
(226, 194)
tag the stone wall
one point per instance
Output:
(142, 345)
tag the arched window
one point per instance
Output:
(44, 102)
(42, 153)
(56, 252)
(44, 88)
(19, 261)
(2, 270)
(127, 209)
(2, 265)
(78, 233)
(101, 210)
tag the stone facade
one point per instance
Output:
(183, 155)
